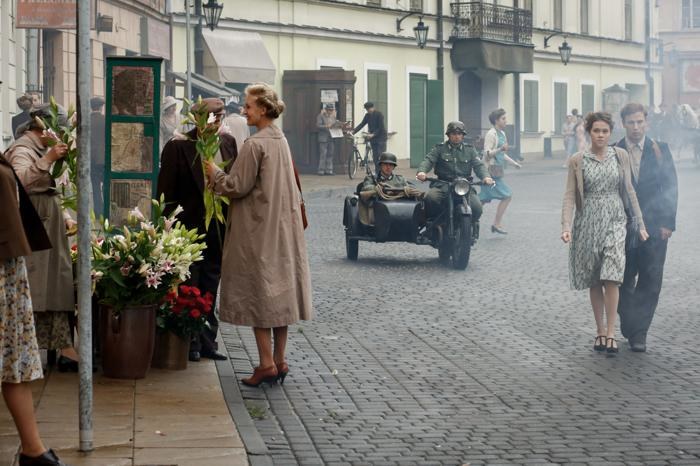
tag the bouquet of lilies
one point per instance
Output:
(65, 170)
(207, 145)
(142, 261)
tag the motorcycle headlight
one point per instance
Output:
(461, 186)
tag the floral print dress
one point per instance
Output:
(598, 244)
(20, 354)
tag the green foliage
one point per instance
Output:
(65, 170)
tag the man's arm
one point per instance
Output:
(429, 162)
(477, 164)
(362, 124)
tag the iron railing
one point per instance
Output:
(477, 20)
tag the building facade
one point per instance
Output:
(679, 47)
(12, 68)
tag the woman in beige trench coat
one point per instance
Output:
(51, 271)
(265, 280)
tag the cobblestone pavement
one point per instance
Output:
(408, 362)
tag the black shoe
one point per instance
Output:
(48, 458)
(638, 343)
(215, 355)
(611, 346)
(600, 343)
(195, 356)
(65, 364)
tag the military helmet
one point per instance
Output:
(455, 127)
(388, 157)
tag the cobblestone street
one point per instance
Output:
(409, 362)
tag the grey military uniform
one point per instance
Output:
(393, 181)
(450, 161)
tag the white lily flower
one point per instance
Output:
(211, 119)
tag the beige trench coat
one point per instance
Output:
(265, 280)
(50, 272)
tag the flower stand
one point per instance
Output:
(171, 351)
(128, 339)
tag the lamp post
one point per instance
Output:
(212, 15)
(564, 48)
(420, 31)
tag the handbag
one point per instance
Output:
(496, 170)
(304, 220)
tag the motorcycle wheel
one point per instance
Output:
(352, 247)
(352, 164)
(461, 248)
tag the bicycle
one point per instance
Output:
(356, 160)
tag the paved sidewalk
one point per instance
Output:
(169, 418)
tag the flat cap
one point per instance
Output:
(209, 105)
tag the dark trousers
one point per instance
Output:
(436, 200)
(378, 148)
(205, 275)
(639, 293)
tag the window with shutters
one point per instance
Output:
(587, 98)
(378, 92)
(558, 11)
(531, 106)
(628, 19)
(416, 5)
(584, 16)
(690, 13)
(560, 106)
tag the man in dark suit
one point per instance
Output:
(97, 152)
(377, 131)
(654, 179)
(181, 180)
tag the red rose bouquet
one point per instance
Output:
(184, 312)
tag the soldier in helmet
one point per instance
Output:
(453, 158)
(385, 177)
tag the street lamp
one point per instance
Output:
(212, 13)
(420, 30)
(564, 49)
(421, 33)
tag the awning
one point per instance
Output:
(237, 57)
(205, 87)
(469, 54)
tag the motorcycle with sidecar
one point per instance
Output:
(404, 220)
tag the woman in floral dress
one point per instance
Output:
(598, 187)
(19, 356)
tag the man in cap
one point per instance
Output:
(324, 122)
(236, 124)
(97, 152)
(169, 120)
(25, 103)
(181, 181)
(377, 131)
(451, 159)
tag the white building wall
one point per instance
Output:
(12, 69)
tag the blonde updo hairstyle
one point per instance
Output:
(267, 98)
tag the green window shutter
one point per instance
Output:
(417, 117)
(560, 105)
(377, 92)
(587, 98)
(530, 106)
(435, 112)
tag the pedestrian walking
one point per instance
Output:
(569, 137)
(654, 179)
(324, 122)
(97, 153)
(377, 131)
(169, 121)
(25, 103)
(20, 361)
(235, 123)
(50, 271)
(265, 280)
(598, 188)
(496, 159)
(181, 182)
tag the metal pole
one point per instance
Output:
(84, 227)
(33, 60)
(188, 86)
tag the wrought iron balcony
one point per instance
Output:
(477, 20)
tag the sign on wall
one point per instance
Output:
(46, 14)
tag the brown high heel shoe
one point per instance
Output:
(282, 371)
(260, 375)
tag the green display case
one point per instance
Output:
(132, 123)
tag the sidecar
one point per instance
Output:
(388, 221)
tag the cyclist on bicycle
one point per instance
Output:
(377, 131)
